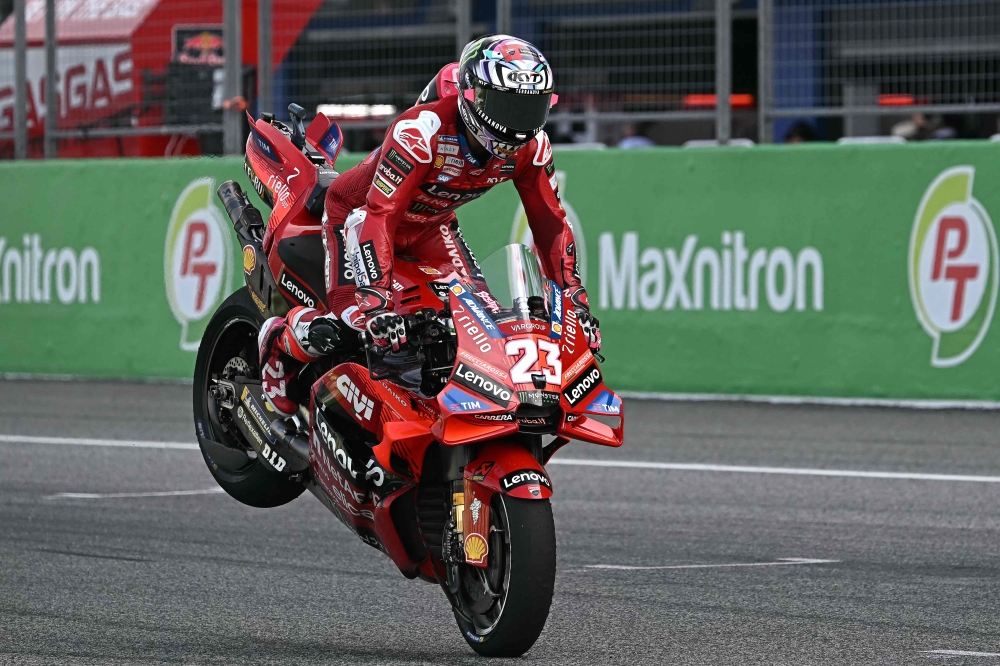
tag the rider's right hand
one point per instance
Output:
(388, 330)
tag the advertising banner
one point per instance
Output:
(844, 271)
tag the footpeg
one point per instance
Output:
(290, 444)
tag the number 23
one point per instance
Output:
(529, 352)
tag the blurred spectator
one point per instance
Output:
(634, 136)
(921, 127)
(800, 132)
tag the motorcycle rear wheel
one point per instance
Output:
(522, 572)
(231, 338)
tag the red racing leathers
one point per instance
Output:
(404, 195)
(401, 200)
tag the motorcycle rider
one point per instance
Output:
(477, 124)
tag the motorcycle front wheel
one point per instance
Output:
(508, 602)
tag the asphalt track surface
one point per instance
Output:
(201, 579)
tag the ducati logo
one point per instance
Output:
(953, 267)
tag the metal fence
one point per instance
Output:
(871, 67)
(154, 77)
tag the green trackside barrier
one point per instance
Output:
(845, 271)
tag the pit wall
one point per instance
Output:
(817, 271)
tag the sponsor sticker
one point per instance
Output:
(258, 414)
(606, 402)
(400, 161)
(372, 268)
(387, 188)
(457, 400)
(475, 549)
(451, 171)
(524, 477)
(439, 161)
(387, 172)
(556, 318)
(472, 305)
(447, 149)
(362, 404)
(507, 168)
(249, 259)
(482, 470)
(583, 385)
(474, 380)
(429, 270)
(455, 161)
(298, 291)
(953, 267)
(506, 417)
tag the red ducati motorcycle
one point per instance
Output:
(434, 455)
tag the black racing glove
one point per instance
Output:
(388, 330)
(323, 335)
(589, 324)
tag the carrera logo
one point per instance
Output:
(482, 384)
(524, 477)
(362, 404)
(296, 290)
(507, 417)
(953, 267)
(583, 385)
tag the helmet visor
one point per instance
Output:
(515, 112)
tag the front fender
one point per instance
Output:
(507, 467)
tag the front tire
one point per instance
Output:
(230, 341)
(522, 571)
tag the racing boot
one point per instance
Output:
(285, 345)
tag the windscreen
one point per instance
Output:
(513, 276)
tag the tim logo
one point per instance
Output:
(953, 267)
(362, 404)
(196, 258)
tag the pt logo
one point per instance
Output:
(196, 263)
(953, 267)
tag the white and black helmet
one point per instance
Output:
(505, 91)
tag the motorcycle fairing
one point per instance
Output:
(499, 466)
(325, 136)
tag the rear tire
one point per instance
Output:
(231, 335)
(526, 571)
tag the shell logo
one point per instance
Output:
(520, 232)
(953, 267)
(475, 549)
(196, 259)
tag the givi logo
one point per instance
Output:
(953, 267)
(196, 262)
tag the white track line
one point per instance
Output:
(794, 471)
(77, 441)
(959, 653)
(584, 462)
(782, 561)
(164, 493)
